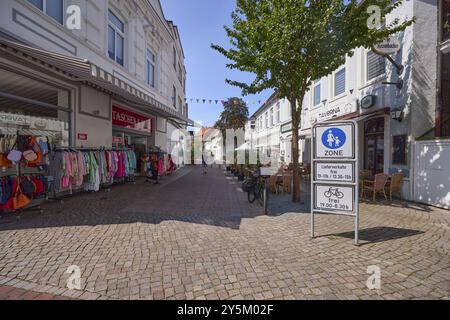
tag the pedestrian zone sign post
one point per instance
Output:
(335, 178)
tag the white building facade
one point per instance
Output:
(391, 117)
(117, 81)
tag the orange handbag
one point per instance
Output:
(37, 158)
(4, 162)
(20, 200)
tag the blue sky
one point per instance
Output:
(200, 23)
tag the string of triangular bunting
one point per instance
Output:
(219, 101)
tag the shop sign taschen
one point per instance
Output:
(131, 120)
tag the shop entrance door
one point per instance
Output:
(374, 145)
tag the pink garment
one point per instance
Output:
(161, 167)
(67, 168)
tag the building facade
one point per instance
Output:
(391, 116)
(115, 80)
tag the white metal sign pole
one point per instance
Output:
(335, 171)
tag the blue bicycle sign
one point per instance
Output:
(334, 138)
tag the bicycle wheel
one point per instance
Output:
(251, 196)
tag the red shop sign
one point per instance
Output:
(131, 120)
(82, 136)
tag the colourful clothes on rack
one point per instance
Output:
(89, 169)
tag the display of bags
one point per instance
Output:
(19, 200)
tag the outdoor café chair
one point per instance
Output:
(376, 186)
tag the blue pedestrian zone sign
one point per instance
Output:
(334, 138)
(333, 141)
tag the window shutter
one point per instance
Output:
(376, 65)
(339, 82)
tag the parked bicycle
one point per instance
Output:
(256, 189)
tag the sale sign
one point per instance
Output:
(131, 120)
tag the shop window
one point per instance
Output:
(151, 67)
(399, 145)
(116, 38)
(376, 65)
(339, 82)
(52, 8)
(445, 20)
(32, 107)
(317, 94)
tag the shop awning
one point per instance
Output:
(84, 71)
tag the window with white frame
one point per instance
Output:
(151, 67)
(272, 120)
(267, 119)
(174, 97)
(52, 8)
(376, 65)
(278, 113)
(339, 82)
(317, 93)
(116, 38)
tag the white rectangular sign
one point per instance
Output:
(333, 171)
(334, 141)
(339, 199)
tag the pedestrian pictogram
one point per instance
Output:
(334, 138)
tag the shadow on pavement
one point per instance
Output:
(193, 198)
(378, 234)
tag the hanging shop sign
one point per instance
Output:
(387, 47)
(368, 101)
(82, 136)
(131, 120)
(334, 187)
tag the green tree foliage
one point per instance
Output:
(288, 44)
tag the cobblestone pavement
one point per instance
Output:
(195, 236)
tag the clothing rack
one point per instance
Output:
(103, 186)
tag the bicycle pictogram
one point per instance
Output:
(333, 192)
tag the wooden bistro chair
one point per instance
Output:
(363, 175)
(376, 186)
(273, 186)
(287, 183)
(395, 185)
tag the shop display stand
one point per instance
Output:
(35, 204)
(61, 196)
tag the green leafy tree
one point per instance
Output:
(234, 116)
(288, 44)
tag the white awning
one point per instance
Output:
(84, 71)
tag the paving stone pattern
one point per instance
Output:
(195, 236)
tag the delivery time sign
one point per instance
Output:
(131, 120)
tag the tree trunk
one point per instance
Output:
(295, 151)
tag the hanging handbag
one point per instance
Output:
(28, 187)
(4, 162)
(20, 200)
(33, 155)
(14, 155)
